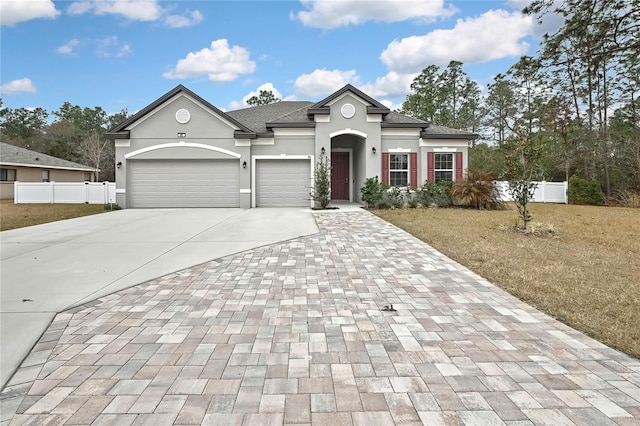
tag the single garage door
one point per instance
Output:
(184, 183)
(283, 183)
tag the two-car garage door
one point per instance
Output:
(184, 183)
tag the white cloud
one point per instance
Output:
(136, 10)
(323, 82)
(178, 21)
(268, 87)
(111, 47)
(23, 85)
(67, 49)
(391, 85)
(493, 35)
(549, 24)
(332, 13)
(219, 62)
(14, 11)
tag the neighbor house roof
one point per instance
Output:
(11, 155)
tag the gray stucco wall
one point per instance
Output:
(160, 127)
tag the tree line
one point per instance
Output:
(570, 110)
(75, 134)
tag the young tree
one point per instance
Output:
(321, 192)
(264, 98)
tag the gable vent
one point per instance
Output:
(183, 116)
(348, 110)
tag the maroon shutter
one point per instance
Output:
(385, 168)
(431, 167)
(413, 169)
(459, 166)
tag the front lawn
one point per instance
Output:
(14, 216)
(587, 275)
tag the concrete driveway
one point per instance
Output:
(48, 268)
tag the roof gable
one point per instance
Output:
(349, 88)
(120, 131)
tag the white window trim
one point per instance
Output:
(408, 170)
(453, 165)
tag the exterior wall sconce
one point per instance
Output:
(119, 164)
(182, 135)
(322, 150)
(373, 150)
(244, 164)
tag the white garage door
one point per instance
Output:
(184, 183)
(283, 183)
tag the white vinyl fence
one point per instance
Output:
(546, 192)
(64, 192)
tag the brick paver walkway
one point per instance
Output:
(297, 333)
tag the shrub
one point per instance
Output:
(372, 191)
(394, 197)
(629, 199)
(435, 194)
(412, 198)
(582, 191)
(478, 190)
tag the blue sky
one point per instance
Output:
(127, 53)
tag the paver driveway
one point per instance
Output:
(297, 333)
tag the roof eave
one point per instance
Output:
(405, 125)
(469, 136)
(118, 135)
(303, 124)
(239, 134)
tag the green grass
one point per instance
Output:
(14, 216)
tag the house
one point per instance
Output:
(182, 151)
(23, 165)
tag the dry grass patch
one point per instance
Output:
(586, 273)
(14, 216)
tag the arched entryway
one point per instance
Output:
(347, 165)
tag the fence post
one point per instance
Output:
(566, 192)
(15, 191)
(544, 195)
(53, 192)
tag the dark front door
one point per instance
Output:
(339, 175)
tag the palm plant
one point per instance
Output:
(478, 190)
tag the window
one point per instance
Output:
(45, 175)
(443, 167)
(87, 177)
(398, 169)
(7, 175)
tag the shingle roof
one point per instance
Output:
(259, 120)
(256, 118)
(15, 155)
(437, 130)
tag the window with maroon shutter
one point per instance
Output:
(385, 168)
(431, 170)
(443, 168)
(413, 164)
(459, 166)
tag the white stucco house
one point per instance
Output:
(182, 151)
